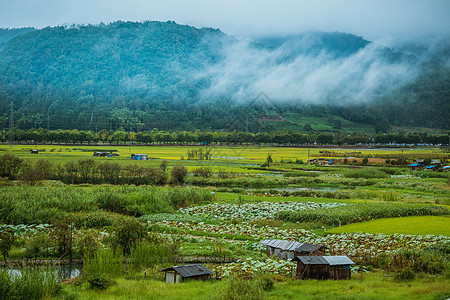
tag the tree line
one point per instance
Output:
(88, 171)
(198, 137)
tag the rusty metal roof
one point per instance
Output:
(281, 244)
(190, 270)
(324, 260)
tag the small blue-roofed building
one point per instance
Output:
(139, 156)
(416, 166)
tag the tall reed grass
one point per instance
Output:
(29, 283)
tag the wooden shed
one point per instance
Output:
(280, 248)
(290, 249)
(309, 249)
(177, 274)
(323, 267)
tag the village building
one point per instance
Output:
(177, 274)
(139, 156)
(101, 154)
(419, 161)
(323, 267)
(290, 249)
(34, 151)
(416, 166)
(320, 161)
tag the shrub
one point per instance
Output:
(417, 260)
(7, 239)
(178, 173)
(203, 172)
(97, 219)
(405, 274)
(128, 233)
(266, 283)
(10, 166)
(87, 244)
(100, 282)
(37, 245)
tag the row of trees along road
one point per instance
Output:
(155, 136)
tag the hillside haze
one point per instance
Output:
(169, 76)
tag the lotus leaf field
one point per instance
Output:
(220, 211)
(250, 211)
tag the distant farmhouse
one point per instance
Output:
(139, 157)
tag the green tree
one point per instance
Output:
(178, 173)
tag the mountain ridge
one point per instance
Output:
(92, 71)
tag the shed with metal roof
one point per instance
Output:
(178, 274)
(280, 248)
(309, 249)
(323, 267)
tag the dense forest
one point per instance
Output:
(140, 76)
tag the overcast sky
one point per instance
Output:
(372, 19)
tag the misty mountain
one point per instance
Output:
(8, 33)
(171, 76)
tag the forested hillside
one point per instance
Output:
(139, 76)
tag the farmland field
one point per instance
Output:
(218, 211)
(427, 225)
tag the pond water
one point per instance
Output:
(63, 271)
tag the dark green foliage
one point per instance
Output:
(87, 244)
(417, 260)
(112, 202)
(178, 173)
(406, 273)
(127, 234)
(100, 281)
(95, 219)
(37, 246)
(203, 172)
(7, 239)
(10, 166)
(266, 283)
